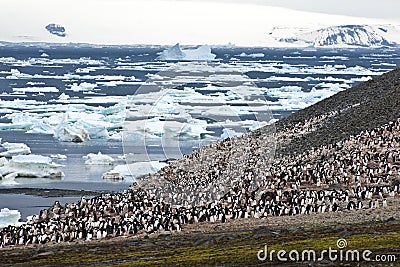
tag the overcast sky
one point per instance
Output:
(385, 9)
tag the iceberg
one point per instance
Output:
(35, 166)
(9, 217)
(67, 133)
(98, 159)
(175, 53)
(95, 128)
(70, 123)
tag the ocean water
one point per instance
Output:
(97, 79)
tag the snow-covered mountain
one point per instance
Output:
(348, 36)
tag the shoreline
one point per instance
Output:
(50, 192)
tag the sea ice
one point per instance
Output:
(84, 86)
(254, 55)
(170, 130)
(36, 90)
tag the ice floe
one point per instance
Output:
(84, 86)
(98, 159)
(9, 217)
(293, 98)
(254, 55)
(14, 149)
(24, 90)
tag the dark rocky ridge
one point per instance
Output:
(56, 29)
(362, 107)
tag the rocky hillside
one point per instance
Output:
(363, 107)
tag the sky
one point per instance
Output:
(384, 9)
(166, 22)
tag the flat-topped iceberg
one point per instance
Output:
(202, 53)
(9, 217)
(98, 159)
(35, 166)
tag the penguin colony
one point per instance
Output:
(231, 180)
